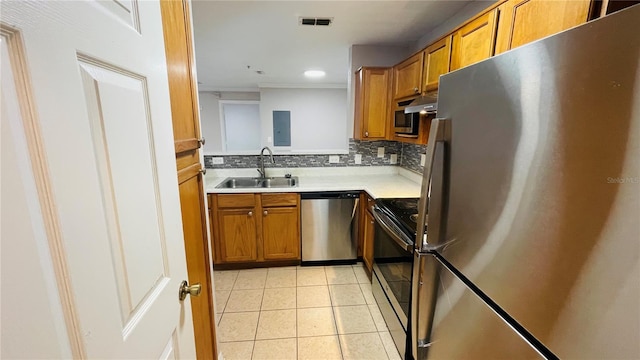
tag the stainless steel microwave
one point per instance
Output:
(406, 124)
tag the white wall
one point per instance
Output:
(369, 55)
(318, 119)
(210, 116)
(470, 10)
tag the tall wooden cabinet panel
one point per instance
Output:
(372, 103)
(280, 233)
(179, 51)
(524, 21)
(176, 22)
(437, 59)
(237, 229)
(474, 41)
(407, 77)
(198, 266)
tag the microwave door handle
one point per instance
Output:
(436, 134)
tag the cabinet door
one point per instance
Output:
(367, 251)
(437, 59)
(524, 21)
(475, 41)
(196, 245)
(176, 22)
(407, 77)
(372, 103)
(281, 233)
(237, 235)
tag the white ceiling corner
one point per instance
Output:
(266, 35)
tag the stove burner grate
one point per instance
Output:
(405, 204)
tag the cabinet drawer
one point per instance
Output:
(236, 200)
(279, 199)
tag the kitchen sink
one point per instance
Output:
(255, 182)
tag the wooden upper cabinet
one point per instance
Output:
(180, 68)
(437, 59)
(474, 41)
(372, 103)
(237, 230)
(524, 21)
(407, 77)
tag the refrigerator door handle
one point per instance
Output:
(436, 134)
(422, 303)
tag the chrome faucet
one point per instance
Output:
(263, 175)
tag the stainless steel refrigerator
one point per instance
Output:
(533, 236)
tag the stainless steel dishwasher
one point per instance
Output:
(329, 227)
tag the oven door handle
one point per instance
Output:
(408, 247)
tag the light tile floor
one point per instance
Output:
(320, 312)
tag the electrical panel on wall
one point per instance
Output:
(281, 128)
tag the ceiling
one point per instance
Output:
(234, 39)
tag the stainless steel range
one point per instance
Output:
(393, 263)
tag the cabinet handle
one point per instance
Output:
(366, 134)
(250, 213)
(265, 213)
(202, 140)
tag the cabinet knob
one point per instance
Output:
(416, 90)
(265, 213)
(373, 222)
(366, 134)
(202, 140)
(203, 171)
(250, 213)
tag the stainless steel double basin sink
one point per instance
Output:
(256, 182)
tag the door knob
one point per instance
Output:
(185, 289)
(202, 140)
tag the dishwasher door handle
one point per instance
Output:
(355, 208)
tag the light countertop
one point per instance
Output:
(378, 181)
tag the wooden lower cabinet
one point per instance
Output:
(368, 235)
(281, 233)
(366, 231)
(253, 233)
(237, 241)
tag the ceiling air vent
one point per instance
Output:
(310, 21)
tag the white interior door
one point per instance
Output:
(94, 166)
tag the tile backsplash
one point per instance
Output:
(408, 156)
(411, 156)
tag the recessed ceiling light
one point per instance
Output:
(314, 73)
